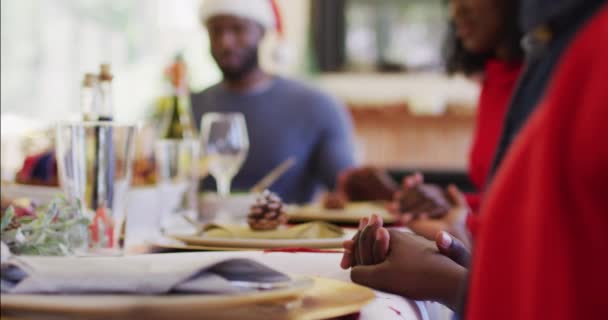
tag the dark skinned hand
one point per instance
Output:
(366, 184)
(454, 222)
(368, 246)
(415, 198)
(413, 267)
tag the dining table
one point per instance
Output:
(142, 224)
(142, 231)
(326, 265)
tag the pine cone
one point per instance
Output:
(267, 213)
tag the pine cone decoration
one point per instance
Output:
(267, 213)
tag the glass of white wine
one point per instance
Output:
(224, 147)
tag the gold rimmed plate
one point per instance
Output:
(152, 307)
(314, 235)
(325, 299)
(351, 214)
(247, 243)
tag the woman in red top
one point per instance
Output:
(484, 40)
(540, 252)
(500, 78)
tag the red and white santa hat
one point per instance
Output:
(264, 12)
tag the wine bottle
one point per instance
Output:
(104, 149)
(87, 97)
(178, 115)
(105, 103)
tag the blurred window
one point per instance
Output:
(47, 45)
(379, 35)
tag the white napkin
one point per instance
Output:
(130, 275)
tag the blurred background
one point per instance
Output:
(382, 58)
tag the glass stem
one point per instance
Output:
(223, 186)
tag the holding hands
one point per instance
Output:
(406, 264)
(428, 266)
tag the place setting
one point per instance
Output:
(256, 220)
(142, 287)
(267, 229)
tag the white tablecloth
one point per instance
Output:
(143, 221)
(385, 306)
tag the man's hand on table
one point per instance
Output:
(406, 264)
(427, 210)
(416, 199)
(366, 184)
(424, 208)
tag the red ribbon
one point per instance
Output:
(101, 216)
(295, 250)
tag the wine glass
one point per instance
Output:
(224, 147)
(176, 170)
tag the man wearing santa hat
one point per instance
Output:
(285, 118)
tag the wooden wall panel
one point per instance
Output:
(392, 137)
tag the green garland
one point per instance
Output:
(57, 229)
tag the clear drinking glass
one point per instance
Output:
(94, 162)
(177, 174)
(224, 147)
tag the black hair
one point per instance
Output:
(459, 59)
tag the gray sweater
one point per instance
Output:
(286, 119)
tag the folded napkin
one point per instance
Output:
(312, 230)
(130, 275)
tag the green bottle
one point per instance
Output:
(177, 111)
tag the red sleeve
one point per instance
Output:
(499, 81)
